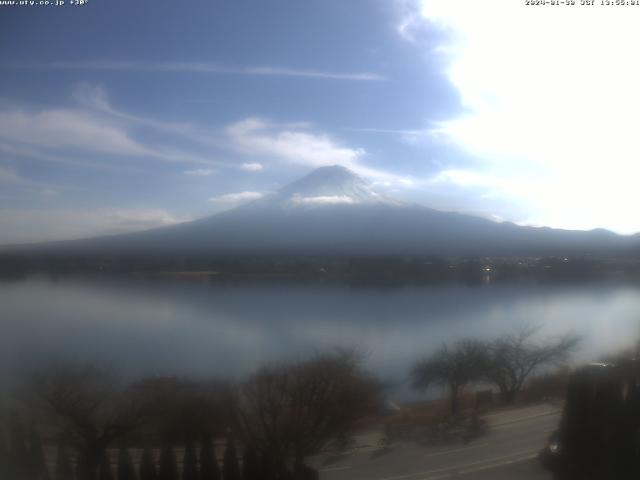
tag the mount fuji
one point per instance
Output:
(334, 211)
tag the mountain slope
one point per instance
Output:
(333, 211)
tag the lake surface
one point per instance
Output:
(200, 328)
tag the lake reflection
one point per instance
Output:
(199, 328)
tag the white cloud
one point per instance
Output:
(464, 178)
(411, 21)
(138, 219)
(30, 152)
(67, 129)
(322, 200)
(18, 226)
(233, 198)
(251, 167)
(51, 131)
(410, 136)
(9, 175)
(293, 142)
(196, 67)
(200, 172)
(288, 72)
(551, 107)
(296, 144)
(95, 98)
(49, 192)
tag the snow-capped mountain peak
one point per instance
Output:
(334, 211)
(332, 185)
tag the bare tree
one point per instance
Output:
(90, 410)
(453, 367)
(4, 457)
(148, 465)
(289, 412)
(514, 357)
(230, 465)
(189, 463)
(209, 469)
(126, 469)
(63, 468)
(104, 470)
(19, 462)
(168, 468)
(185, 410)
(37, 462)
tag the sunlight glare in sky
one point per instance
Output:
(553, 106)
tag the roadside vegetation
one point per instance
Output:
(72, 422)
(476, 376)
(506, 363)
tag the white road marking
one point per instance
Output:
(488, 463)
(446, 452)
(512, 421)
(334, 469)
(498, 464)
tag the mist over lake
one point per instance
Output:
(204, 329)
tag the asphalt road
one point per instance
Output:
(507, 451)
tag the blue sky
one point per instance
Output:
(118, 116)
